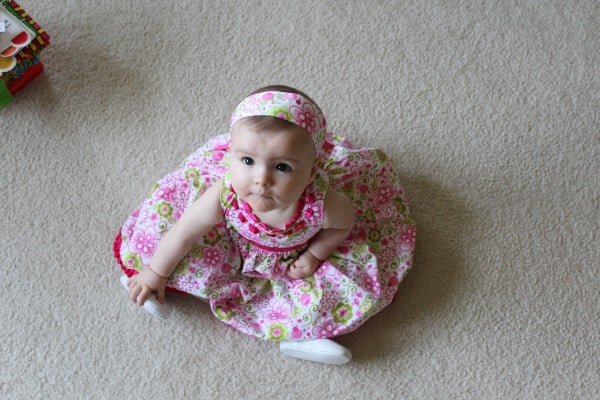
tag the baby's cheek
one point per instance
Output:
(237, 188)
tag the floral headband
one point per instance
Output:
(291, 107)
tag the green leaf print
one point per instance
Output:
(284, 111)
(366, 304)
(370, 215)
(223, 315)
(132, 262)
(342, 313)
(182, 268)
(154, 187)
(212, 237)
(277, 332)
(400, 205)
(380, 155)
(164, 209)
(374, 235)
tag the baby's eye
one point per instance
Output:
(247, 161)
(283, 167)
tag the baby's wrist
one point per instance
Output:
(156, 273)
(313, 260)
(313, 255)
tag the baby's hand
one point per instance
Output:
(141, 286)
(304, 266)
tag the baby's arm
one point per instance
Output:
(339, 220)
(195, 222)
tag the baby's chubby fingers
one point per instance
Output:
(138, 293)
(160, 295)
(133, 290)
(296, 271)
(145, 292)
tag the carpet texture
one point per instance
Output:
(490, 111)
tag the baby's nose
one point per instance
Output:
(262, 177)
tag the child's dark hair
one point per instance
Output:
(262, 122)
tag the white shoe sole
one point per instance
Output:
(151, 305)
(320, 350)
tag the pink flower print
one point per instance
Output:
(384, 194)
(394, 281)
(347, 187)
(314, 212)
(368, 283)
(280, 312)
(362, 188)
(129, 226)
(222, 145)
(296, 333)
(225, 268)
(343, 249)
(212, 235)
(329, 329)
(217, 156)
(361, 235)
(144, 242)
(187, 283)
(268, 96)
(165, 193)
(317, 211)
(305, 299)
(329, 300)
(212, 256)
(408, 239)
(305, 117)
(376, 284)
(291, 96)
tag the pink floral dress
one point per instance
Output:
(240, 265)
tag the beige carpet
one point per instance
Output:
(490, 111)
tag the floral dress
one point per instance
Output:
(240, 265)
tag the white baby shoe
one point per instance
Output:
(320, 350)
(152, 305)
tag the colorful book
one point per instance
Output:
(21, 42)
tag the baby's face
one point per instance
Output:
(270, 169)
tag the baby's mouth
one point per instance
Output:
(262, 193)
